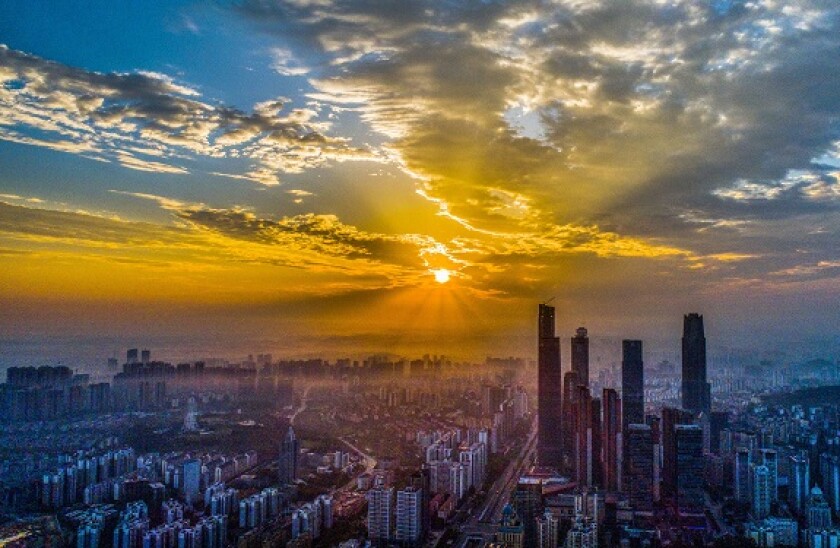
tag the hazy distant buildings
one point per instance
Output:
(632, 383)
(550, 390)
(696, 391)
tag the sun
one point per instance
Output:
(441, 275)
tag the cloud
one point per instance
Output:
(676, 129)
(148, 121)
(285, 64)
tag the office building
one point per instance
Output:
(690, 467)
(409, 516)
(718, 422)
(191, 480)
(819, 511)
(696, 391)
(287, 466)
(610, 431)
(742, 471)
(799, 482)
(580, 356)
(528, 503)
(632, 383)
(583, 437)
(380, 518)
(548, 530)
(639, 466)
(760, 492)
(770, 459)
(671, 418)
(549, 391)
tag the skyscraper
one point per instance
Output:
(580, 356)
(550, 390)
(671, 417)
(548, 530)
(819, 511)
(409, 516)
(799, 482)
(527, 500)
(610, 431)
(597, 479)
(761, 492)
(639, 465)
(742, 471)
(287, 466)
(770, 459)
(690, 465)
(632, 383)
(380, 518)
(696, 391)
(192, 479)
(568, 428)
(583, 437)
(718, 422)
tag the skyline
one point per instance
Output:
(349, 177)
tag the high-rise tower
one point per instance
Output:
(696, 391)
(610, 432)
(632, 383)
(639, 464)
(580, 356)
(550, 391)
(287, 465)
(689, 468)
(584, 455)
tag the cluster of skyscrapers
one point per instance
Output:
(608, 443)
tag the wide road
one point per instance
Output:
(304, 400)
(370, 464)
(484, 520)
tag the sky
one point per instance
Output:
(300, 176)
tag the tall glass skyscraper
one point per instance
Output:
(549, 391)
(696, 391)
(632, 383)
(287, 465)
(580, 356)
